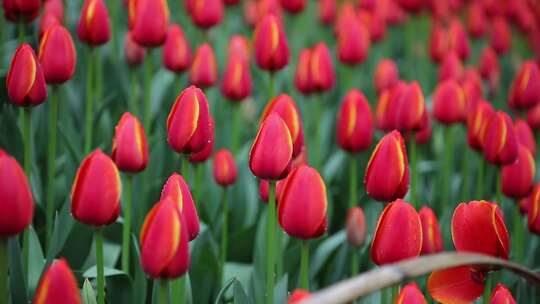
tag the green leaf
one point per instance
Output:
(280, 290)
(325, 250)
(63, 223)
(88, 294)
(16, 278)
(139, 283)
(240, 296)
(109, 272)
(204, 269)
(223, 290)
(36, 261)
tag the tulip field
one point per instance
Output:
(269, 151)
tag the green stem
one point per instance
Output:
(498, 187)
(27, 135)
(185, 167)
(148, 92)
(271, 85)
(224, 227)
(100, 267)
(21, 32)
(487, 289)
(163, 291)
(134, 104)
(51, 162)
(197, 186)
(481, 173)
(304, 265)
(235, 132)
(447, 167)
(316, 116)
(178, 288)
(89, 114)
(355, 263)
(465, 175)
(384, 296)
(353, 182)
(270, 243)
(114, 23)
(518, 234)
(414, 171)
(395, 292)
(127, 223)
(4, 262)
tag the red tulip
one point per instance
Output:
(176, 50)
(354, 130)
(423, 135)
(353, 41)
(133, 52)
(271, 153)
(501, 36)
(129, 148)
(501, 295)
(449, 103)
(250, 12)
(302, 76)
(406, 107)
(95, 194)
(476, 20)
(413, 6)
(94, 26)
(47, 20)
(525, 135)
(322, 69)
(57, 55)
(432, 238)
(327, 11)
(456, 285)
(525, 92)
(356, 227)
(149, 22)
(271, 46)
(451, 68)
(398, 234)
(177, 190)
(458, 41)
(206, 13)
(533, 117)
(21, 11)
(206, 152)
(387, 172)
(25, 81)
(302, 204)
(534, 210)
(239, 46)
(189, 122)
(381, 110)
(386, 75)
(478, 226)
(57, 285)
(489, 65)
(477, 123)
(298, 296)
(438, 45)
(164, 242)
(411, 294)
(375, 24)
(263, 190)
(55, 7)
(500, 143)
(203, 72)
(517, 177)
(16, 202)
(236, 81)
(225, 171)
(293, 6)
(231, 2)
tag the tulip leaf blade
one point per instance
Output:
(240, 296)
(89, 296)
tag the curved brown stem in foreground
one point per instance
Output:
(376, 279)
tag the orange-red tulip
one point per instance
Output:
(398, 234)
(534, 210)
(406, 107)
(354, 130)
(177, 190)
(525, 91)
(410, 294)
(164, 242)
(94, 25)
(501, 35)
(322, 69)
(500, 143)
(206, 13)
(456, 285)
(450, 68)
(270, 42)
(353, 40)
(302, 204)
(21, 11)
(449, 103)
(477, 123)
(356, 227)
(149, 20)
(58, 285)
(431, 232)
(133, 53)
(204, 71)
(525, 135)
(189, 122)
(517, 177)
(16, 202)
(57, 55)
(386, 75)
(95, 194)
(387, 172)
(129, 148)
(302, 76)
(225, 171)
(327, 11)
(298, 296)
(206, 152)
(236, 83)
(293, 6)
(271, 153)
(501, 295)
(476, 20)
(25, 81)
(176, 50)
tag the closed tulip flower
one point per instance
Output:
(458, 40)
(176, 50)
(133, 53)
(476, 20)
(203, 71)
(164, 242)
(534, 210)
(225, 171)
(57, 55)
(386, 75)
(327, 11)
(423, 135)
(47, 20)
(501, 295)
(533, 117)
(456, 285)
(58, 285)
(501, 35)
(293, 6)
(449, 103)
(500, 143)
(398, 234)
(488, 65)
(94, 25)
(270, 42)
(432, 239)
(525, 92)
(231, 2)
(302, 76)
(375, 24)
(381, 109)
(322, 69)
(302, 204)
(95, 194)
(129, 148)
(263, 190)
(206, 152)
(517, 177)
(16, 202)
(477, 123)
(406, 107)
(206, 13)
(149, 22)
(353, 41)
(356, 227)
(450, 68)
(55, 7)
(236, 83)
(271, 153)
(525, 135)
(298, 296)
(410, 294)
(189, 122)
(412, 6)
(239, 46)
(438, 45)
(354, 130)
(177, 190)
(387, 172)
(25, 82)
(21, 11)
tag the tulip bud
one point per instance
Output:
(476, 20)
(423, 135)
(54, 7)
(302, 204)
(271, 46)
(95, 194)
(398, 234)
(133, 52)
(164, 242)
(189, 122)
(354, 130)
(206, 152)
(47, 20)
(406, 107)
(25, 81)
(206, 13)
(177, 190)
(525, 135)
(501, 35)
(375, 24)
(456, 285)
(322, 69)
(477, 123)
(356, 227)
(381, 110)
(236, 80)
(302, 76)
(386, 75)
(129, 148)
(57, 285)
(438, 45)
(432, 238)
(458, 40)
(451, 68)
(149, 21)
(533, 117)
(489, 65)
(176, 50)
(298, 296)
(353, 41)
(449, 103)
(269, 7)
(525, 92)
(387, 172)
(501, 295)
(16, 202)
(271, 153)
(203, 71)
(478, 226)
(412, 6)
(327, 11)
(286, 108)
(57, 55)
(21, 11)
(500, 143)
(293, 6)
(411, 294)
(534, 210)
(517, 177)
(225, 171)
(94, 28)
(239, 46)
